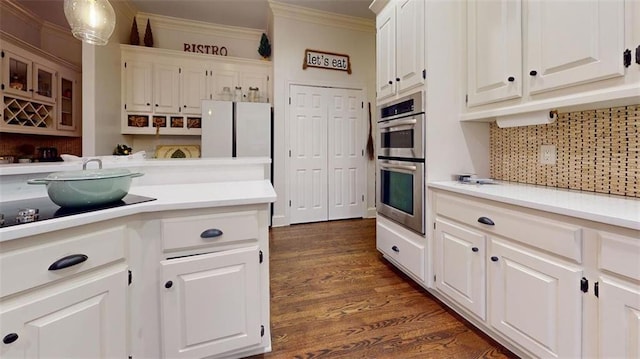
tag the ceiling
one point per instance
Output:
(244, 13)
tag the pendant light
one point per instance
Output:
(91, 21)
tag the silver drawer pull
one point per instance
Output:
(211, 233)
(399, 167)
(397, 123)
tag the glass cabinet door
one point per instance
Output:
(17, 72)
(44, 84)
(67, 112)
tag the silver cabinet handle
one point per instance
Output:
(400, 167)
(398, 123)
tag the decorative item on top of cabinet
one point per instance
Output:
(265, 47)
(400, 47)
(134, 38)
(148, 35)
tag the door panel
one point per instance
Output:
(345, 156)
(619, 313)
(308, 154)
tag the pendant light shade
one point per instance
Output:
(91, 21)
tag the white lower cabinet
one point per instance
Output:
(535, 300)
(619, 318)
(403, 247)
(460, 265)
(211, 303)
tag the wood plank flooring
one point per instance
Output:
(334, 296)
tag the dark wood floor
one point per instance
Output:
(334, 296)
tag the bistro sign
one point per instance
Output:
(205, 49)
(326, 60)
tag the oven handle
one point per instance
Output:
(400, 167)
(398, 123)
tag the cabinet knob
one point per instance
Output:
(494, 259)
(397, 79)
(533, 72)
(156, 105)
(511, 79)
(148, 104)
(390, 82)
(486, 220)
(10, 338)
(474, 249)
(168, 284)
(395, 249)
(185, 106)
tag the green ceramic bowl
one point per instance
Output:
(87, 188)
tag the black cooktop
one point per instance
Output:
(49, 210)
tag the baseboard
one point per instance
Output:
(371, 212)
(279, 221)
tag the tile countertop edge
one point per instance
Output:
(182, 197)
(533, 196)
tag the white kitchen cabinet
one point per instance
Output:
(81, 318)
(211, 303)
(162, 89)
(403, 247)
(618, 293)
(400, 47)
(459, 259)
(535, 300)
(138, 82)
(494, 36)
(34, 92)
(64, 294)
(569, 43)
(166, 89)
(193, 88)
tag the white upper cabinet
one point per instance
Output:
(166, 88)
(572, 42)
(400, 47)
(137, 86)
(193, 87)
(531, 55)
(494, 34)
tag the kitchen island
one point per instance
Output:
(185, 275)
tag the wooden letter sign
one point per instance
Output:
(326, 60)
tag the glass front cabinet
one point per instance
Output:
(40, 93)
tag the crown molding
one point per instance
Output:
(377, 5)
(199, 27)
(58, 30)
(14, 41)
(21, 12)
(126, 8)
(321, 17)
(155, 51)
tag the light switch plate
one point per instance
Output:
(548, 154)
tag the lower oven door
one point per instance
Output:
(400, 190)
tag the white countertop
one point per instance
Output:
(168, 197)
(609, 209)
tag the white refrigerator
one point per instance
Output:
(235, 129)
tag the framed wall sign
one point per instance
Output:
(326, 60)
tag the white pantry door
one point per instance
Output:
(327, 165)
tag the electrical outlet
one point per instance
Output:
(548, 154)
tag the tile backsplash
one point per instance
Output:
(14, 144)
(597, 151)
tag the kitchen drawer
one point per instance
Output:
(396, 244)
(619, 254)
(25, 268)
(550, 235)
(190, 232)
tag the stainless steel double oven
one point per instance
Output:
(401, 161)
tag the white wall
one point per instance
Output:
(101, 88)
(295, 29)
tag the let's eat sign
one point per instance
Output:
(326, 60)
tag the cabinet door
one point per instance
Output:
(619, 313)
(16, 73)
(68, 113)
(44, 83)
(138, 87)
(193, 86)
(535, 301)
(210, 303)
(81, 319)
(223, 84)
(410, 44)
(571, 42)
(254, 80)
(494, 51)
(386, 52)
(166, 89)
(460, 265)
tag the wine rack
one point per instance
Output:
(23, 113)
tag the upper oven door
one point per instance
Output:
(402, 137)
